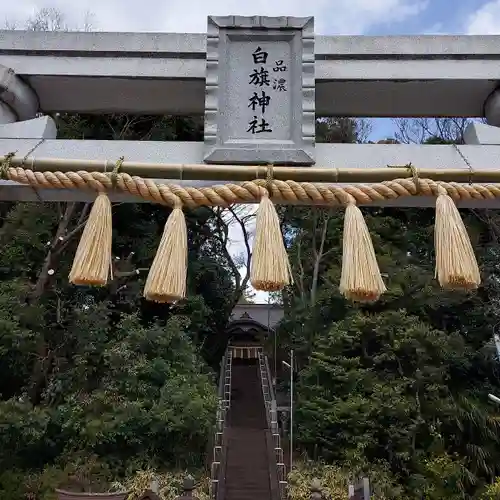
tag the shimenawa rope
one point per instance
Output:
(455, 267)
(251, 191)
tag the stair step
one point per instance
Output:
(247, 491)
(246, 486)
(249, 495)
(247, 469)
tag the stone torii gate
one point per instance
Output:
(260, 82)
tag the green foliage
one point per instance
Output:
(88, 474)
(401, 384)
(383, 387)
(492, 492)
(169, 484)
(80, 473)
(334, 481)
(98, 375)
(128, 391)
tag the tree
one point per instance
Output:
(390, 388)
(431, 130)
(342, 129)
(51, 19)
(99, 372)
(401, 383)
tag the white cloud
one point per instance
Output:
(435, 29)
(332, 16)
(485, 20)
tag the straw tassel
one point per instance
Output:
(166, 282)
(360, 279)
(270, 268)
(92, 262)
(456, 264)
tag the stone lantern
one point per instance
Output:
(187, 490)
(150, 495)
(316, 490)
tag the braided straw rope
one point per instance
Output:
(249, 192)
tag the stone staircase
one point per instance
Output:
(248, 471)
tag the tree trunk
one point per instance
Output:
(45, 357)
(318, 256)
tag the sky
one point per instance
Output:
(332, 17)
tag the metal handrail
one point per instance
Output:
(271, 386)
(221, 374)
(224, 402)
(272, 422)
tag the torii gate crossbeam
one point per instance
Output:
(164, 73)
(345, 155)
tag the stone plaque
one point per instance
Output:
(260, 99)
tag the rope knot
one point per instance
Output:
(116, 171)
(414, 173)
(269, 179)
(441, 189)
(177, 202)
(349, 199)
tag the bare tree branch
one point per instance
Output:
(52, 19)
(47, 19)
(319, 255)
(300, 276)
(82, 220)
(44, 275)
(419, 130)
(242, 222)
